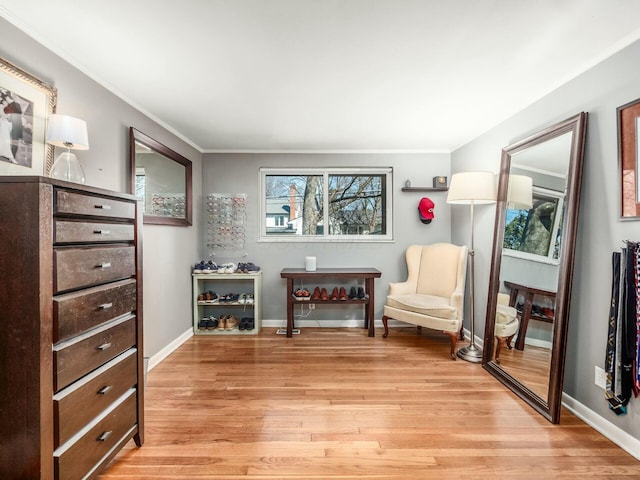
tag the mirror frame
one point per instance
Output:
(138, 136)
(550, 409)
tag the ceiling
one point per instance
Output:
(331, 75)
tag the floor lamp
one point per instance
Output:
(472, 188)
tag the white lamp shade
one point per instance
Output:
(68, 132)
(472, 188)
(520, 193)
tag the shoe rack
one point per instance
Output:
(222, 284)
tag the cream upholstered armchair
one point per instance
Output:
(433, 295)
(507, 324)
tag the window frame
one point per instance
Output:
(385, 172)
(554, 240)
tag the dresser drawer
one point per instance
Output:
(77, 312)
(84, 267)
(71, 203)
(75, 358)
(87, 232)
(79, 458)
(77, 405)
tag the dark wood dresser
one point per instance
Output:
(71, 358)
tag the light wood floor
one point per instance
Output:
(336, 404)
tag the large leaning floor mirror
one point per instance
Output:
(532, 263)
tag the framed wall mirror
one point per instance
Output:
(162, 179)
(532, 263)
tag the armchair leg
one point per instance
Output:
(386, 326)
(454, 340)
(501, 341)
(509, 339)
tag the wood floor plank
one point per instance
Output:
(336, 404)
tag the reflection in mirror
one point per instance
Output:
(162, 179)
(532, 263)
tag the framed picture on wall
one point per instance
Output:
(629, 153)
(25, 105)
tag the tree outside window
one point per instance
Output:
(357, 204)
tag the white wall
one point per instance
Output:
(599, 91)
(169, 252)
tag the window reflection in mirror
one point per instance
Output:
(161, 178)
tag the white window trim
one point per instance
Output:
(548, 259)
(387, 172)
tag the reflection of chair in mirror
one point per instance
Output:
(433, 294)
(507, 324)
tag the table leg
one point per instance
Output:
(289, 307)
(524, 321)
(369, 320)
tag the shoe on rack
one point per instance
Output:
(199, 267)
(212, 323)
(334, 294)
(231, 323)
(361, 294)
(222, 323)
(316, 294)
(202, 324)
(250, 299)
(342, 294)
(242, 299)
(324, 295)
(353, 293)
(230, 268)
(251, 268)
(248, 323)
(210, 267)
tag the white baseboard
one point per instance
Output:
(618, 436)
(169, 349)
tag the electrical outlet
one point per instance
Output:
(601, 378)
(312, 306)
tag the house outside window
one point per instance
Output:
(335, 204)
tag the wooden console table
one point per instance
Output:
(529, 293)
(323, 274)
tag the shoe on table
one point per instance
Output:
(342, 294)
(324, 295)
(316, 294)
(334, 293)
(361, 294)
(353, 293)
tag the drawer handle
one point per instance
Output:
(104, 436)
(102, 232)
(104, 265)
(104, 390)
(104, 346)
(103, 207)
(105, 306)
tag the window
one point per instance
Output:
(337, 204)
(536, 234)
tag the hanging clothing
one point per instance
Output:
(622, 355)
